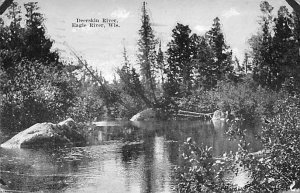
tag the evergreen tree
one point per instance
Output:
(147, 55)
(281, 46)
(36, 44)
(160, 63)
(222, 54)
(296, 27)
(180, 61)
(213, 57)
(293, 55)
(203, 61)
(14, 14)
(30, 42)
(274, 50)
(261, 45)
(130, 82)
(11, 38)
(246, 66)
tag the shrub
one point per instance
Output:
(245, 101)
(275, 169)
(280, 165)
(199, 101)
(200, 172)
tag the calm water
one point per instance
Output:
(121, 157)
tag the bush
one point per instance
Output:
(200, 172)
(245, 101)
(280, 165)
(199, 101)
(275, 169)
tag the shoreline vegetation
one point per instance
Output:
(197, 73)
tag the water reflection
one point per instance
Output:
(34, 170)
(120, 157)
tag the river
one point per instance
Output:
(120, 157)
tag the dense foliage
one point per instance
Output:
(278, 168)
(274, 169)
(35, 85)
(275, 49)
(38, 86)
(269, 93)
(196, 61)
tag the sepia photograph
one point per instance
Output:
(150, 96)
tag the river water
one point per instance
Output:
(120, 157)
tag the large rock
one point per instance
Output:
(47, 134)
(147, 114)
(219, 115)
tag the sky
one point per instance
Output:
(102, 46)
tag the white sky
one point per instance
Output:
(102, 47)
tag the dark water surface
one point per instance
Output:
(121, 157)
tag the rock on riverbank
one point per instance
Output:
(219, 115)
(147, 114)
(47, 134)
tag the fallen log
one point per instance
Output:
(194, 114)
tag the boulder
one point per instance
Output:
(219, 115)
(47, 134)
(147, 114)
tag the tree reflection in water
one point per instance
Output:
(120, 157)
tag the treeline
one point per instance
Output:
(199, 72)
(160, 79)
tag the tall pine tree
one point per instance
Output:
(180, 61)
(37, 45)
(203, 63)
(147, 55)
(261, 45)
(222, 54)
(282, 42)
(160, 63)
